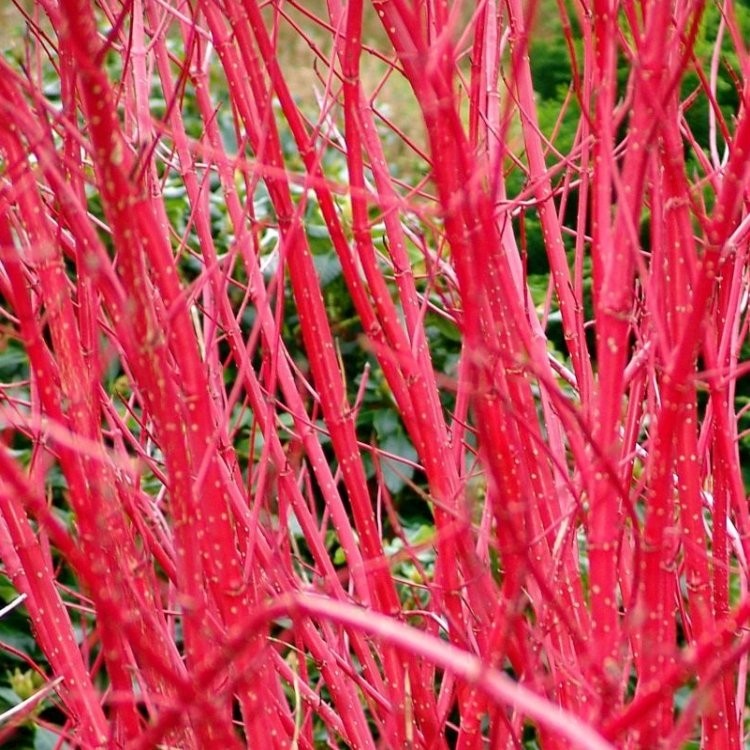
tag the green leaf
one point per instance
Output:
(328, 268)
(13, 633)
(46, 740)
(7, 590)
(14, 362)
(422, 534)
(10, 697)
(396, 473)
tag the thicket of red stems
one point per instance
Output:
(594, 587)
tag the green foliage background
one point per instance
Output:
(378, 420)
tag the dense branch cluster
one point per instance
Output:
(351, 399)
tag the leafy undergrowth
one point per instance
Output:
(396, 402)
